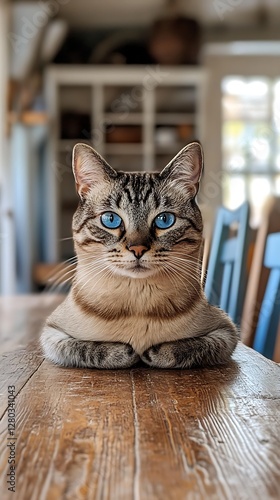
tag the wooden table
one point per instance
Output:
(136, 434)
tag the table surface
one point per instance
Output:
(135, 434)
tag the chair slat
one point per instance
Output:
(226, 284)
(272, 251)
(266, 332)
(229, 290)
(229, 249)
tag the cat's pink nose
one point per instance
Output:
(138, 250)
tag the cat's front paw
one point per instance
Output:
(160, 356)
(115, 355)
(64, 350)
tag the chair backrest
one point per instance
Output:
(226, 277)
(259, 274)
(266, 333)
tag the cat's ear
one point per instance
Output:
(89, 168)
(186, 168)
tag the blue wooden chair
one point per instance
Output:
(226, 277)
(267, 327)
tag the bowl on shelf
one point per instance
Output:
(165, 136)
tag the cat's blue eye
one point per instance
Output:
(111, 220)
(164, 220)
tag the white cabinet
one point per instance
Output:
(138, 118)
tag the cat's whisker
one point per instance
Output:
(108, 273)
(90, 270)
(92, 275)
(185, 281)
(59, 279)
(170, 277)
(190, 265)
(189, 282)
(61, 268)
(96, 282)
(60, 276)
(89, 275)
(65, 239)
(181, 278)
(184, 257)
(58, 283)
(183, 263)
(188, 268)
(59, 286)
(175, 280)
(98, 261)
(186, 260)
(85, 265)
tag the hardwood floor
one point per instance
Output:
(135, 434)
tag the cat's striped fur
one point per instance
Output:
(122, 308)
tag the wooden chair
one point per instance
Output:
(259, 274)
(226, 277)
(266, 333)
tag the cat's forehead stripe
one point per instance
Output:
(136, 188)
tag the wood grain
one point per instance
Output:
(204, 439)
(76, 436)
(143, 434)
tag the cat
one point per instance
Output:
(137, 292)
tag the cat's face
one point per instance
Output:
(138, 224)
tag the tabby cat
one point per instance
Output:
(137, 293)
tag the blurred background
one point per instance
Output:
(138, 80)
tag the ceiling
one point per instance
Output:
(108, 13)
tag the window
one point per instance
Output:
(250, 141)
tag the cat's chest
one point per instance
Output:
(141, 331)
(139, 317)
(125, 298)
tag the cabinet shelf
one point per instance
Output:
(175, 118)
